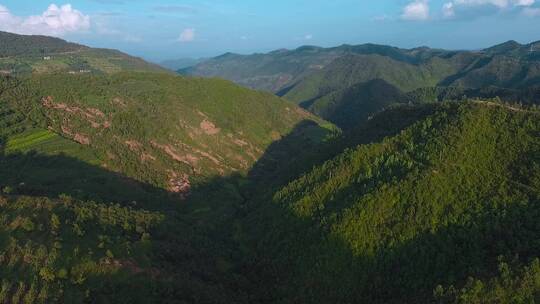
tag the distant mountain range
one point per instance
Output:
(182, 63)
(317, 78)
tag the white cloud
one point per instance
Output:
(308, 37)
(416, 10)
(187, 35)
(55, 21)
(449, 8)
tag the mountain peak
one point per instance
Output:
(309, 48)
(507, 46)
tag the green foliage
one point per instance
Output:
(351, 107)
(433, 205)
(19, 45)
(151, 188)
(513, 284)
(338, 83)
(23, 55)
(155, 128)
(83, 141)
(47, 260)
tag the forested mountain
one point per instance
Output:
(272, 72)
(116, 187)
(342, 70)
(21, 45)
(443, 211)
(161, 129)
(148, 187)
(23, 55)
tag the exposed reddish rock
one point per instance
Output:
(133, 145)
(187, 159)
(209, 128)
(147, 157)
(82, 139)
(95, 112)
(240, 142)
(179, 184)
(66, 130)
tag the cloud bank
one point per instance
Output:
(55, 21)
(418, 10)
(450, 8)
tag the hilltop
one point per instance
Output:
(23, 55)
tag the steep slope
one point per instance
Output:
(353, 69)
(352, 106)
(287, 73)
(125, 188)
(161, 129)
(409, 218)
(21, 54)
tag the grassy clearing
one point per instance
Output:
(29, 139)
(49, 143)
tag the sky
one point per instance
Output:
(171, 29)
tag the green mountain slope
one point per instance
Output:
(352, 106)
(158, 128)
(272, 72)
(20, 54)
(408, 219)
(280, 70)
(343, 69)
(123, 188)
(144, 187)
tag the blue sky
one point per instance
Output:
(170, 29)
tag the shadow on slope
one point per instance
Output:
(37, 174)
(351, 107)
(198, 247)
(229, 242)
(301, 259)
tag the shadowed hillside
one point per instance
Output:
(410, 218)
(404, 214)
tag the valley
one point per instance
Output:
(354, 174)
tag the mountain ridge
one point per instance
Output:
(27, 54)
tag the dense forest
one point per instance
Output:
(133, 186)
(347, 84)
(18, 45)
